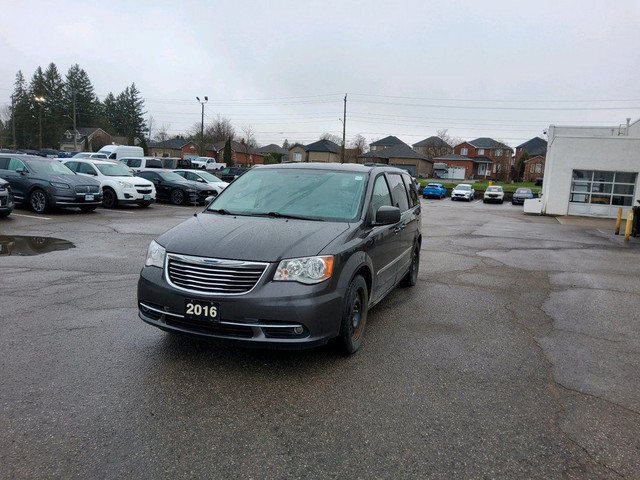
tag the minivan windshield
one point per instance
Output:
(299, 193)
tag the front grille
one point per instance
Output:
(87, 188)
(213, 276)
(143, 191)
(211, 328)
(3, 201)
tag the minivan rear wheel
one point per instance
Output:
(411, 278)
(354, 315)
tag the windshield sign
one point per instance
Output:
(300, 193)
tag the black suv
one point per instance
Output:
(229, 174)
(6, 198)
(44, 183)
(287, 255)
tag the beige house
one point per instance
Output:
(321, 151)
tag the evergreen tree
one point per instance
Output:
(111, 112)
(20, 112)
(86, 102)
(54, 122)
(228, 154)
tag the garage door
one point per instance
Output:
(455, 173)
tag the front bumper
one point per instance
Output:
(75, 200)
(281, 314)
(136, 195)
(493, 198)
(6, 203)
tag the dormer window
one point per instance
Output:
(464, 151)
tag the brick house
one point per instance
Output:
(169, 148)
(433, 147)
(241, 153)
(461, 167)
(484, 149)
(298, 153)
(536, 148)
(534, 168)
(401, 156)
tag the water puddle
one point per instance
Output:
(23, 245)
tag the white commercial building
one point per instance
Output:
(592, 171)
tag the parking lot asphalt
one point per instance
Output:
(516, 356)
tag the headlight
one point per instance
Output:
(307, 270)
(189, 190)
(59, 185)
(125, 184)
(155, 255)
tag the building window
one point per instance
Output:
(538, 168)
(481, 151)
(531, 167)
(603, 188)
(495, 168)
(297, 156)
(498, 152)
(464, 151)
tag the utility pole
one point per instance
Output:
(13, 115)
(75, 131)
(40, 100)
(206, 99)
(344, 129)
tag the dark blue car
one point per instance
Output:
(434, 190)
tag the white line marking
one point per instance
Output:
(29, 216)
(116, 211)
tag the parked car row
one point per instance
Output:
(87, 183)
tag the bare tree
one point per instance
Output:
(359, 143)
(331, 137)
(163, 135)
(219, 130)
(443, 134)
(249, 136)
(150, 127)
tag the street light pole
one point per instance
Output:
(40, 100)
(206, 99)
(344, 129)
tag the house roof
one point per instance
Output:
(432, 142)
(485, 142)
(481, 159)
(452, 156)
(323, 146)
(235, 146)
(83, 132)
(397, 151)
(272, 148)
(386, 141)
(173, 143)
(535, 146)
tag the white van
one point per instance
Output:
(116, 152)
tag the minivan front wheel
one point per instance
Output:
(39, 201)
(354, 315)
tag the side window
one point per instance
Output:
(113, 156)
(411, 188)
(381, 195)
(72, 166)
(86, 168)
(4, 163)
(399, 192)
(15, 164)
(134, 162)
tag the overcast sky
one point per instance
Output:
(495, 68)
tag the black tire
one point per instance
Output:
(484, 201)
(88, 208)
(354, 315)
(5, 214)
(501, 202)
(452, 199)
(411, 278)
(144, 204)
(39, 201)
(178, 197)
(109, 198)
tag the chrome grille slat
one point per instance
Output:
(212, 276)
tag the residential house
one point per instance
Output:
(591, 171)
(242, 154)
(433, 147)
(320, 151)
(385, 142)
(168, 148)
(274, 152)
(536, 149)
(401, 156)
(461, 167)
(488, 151)
(89, 139)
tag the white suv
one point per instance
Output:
(119, 186)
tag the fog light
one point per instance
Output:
(298, 330)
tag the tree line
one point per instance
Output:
(43, 109)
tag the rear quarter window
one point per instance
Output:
(398, 192)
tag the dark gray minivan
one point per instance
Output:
(287, 255)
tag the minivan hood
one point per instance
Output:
(258, 239)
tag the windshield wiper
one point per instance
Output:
(285, 215)
(221, 211)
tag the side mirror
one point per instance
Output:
(387, 215)
(21, 170)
